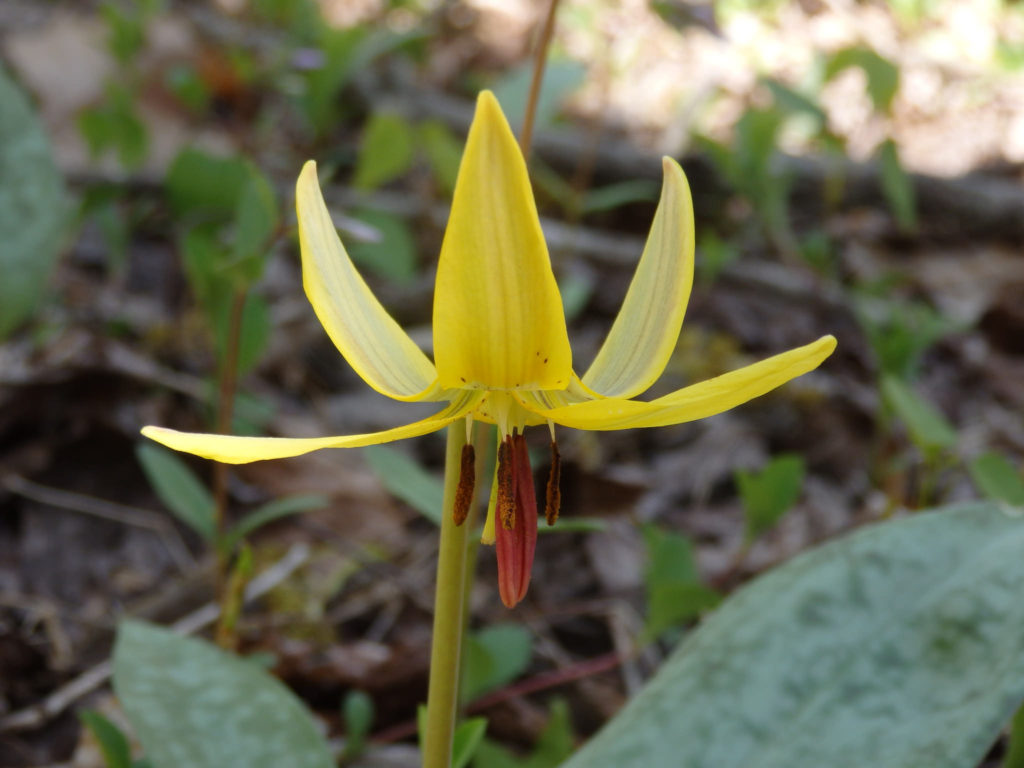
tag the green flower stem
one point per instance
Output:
(449, 616)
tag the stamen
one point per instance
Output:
(553, 496)
(506, 487)
(467, 480)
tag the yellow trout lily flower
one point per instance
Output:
(501, 349)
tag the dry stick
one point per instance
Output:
(541, 58)
(107, 510)
(40, 713)
(541, 682)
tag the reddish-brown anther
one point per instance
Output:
(467, 480)
(516, 531)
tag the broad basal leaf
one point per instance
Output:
(193, 705)
(901, 645)
(33, 209)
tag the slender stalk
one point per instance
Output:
(449, 616)
(539, 62)
(457, 554)
(483, 435)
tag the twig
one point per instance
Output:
(534, 684)
(541, 58)
(58, 701)
(107, 510)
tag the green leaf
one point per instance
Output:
(896, 185)
(769, 494)
(467, 738)
(1014, 757)
(443, 151)
(900, 332)
(206, 185)
(393, 254)
(675, 593)
(495, 656)
(612, 196)
(576, 288)
(883, 76)
(178, 488)
(997, 478)
(561, 78)
(407, 480)
(929, 429)
(255, 329)
(794, 103)
(268, 513)
(358, 712)
(189, 87)
(386, 151)
(715, 255)
(117, 753)
(33, 207)
(490, 754)
(899, 645)
(556, 740)
(575, 525)
(193, 705)
(255, 224)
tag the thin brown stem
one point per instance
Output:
(539, 62)
(225, 410)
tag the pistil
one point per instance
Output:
(517, 512)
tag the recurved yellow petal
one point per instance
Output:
(644, 334)
(498, 318)
(699, 400)
(362, 330)
(230, 449)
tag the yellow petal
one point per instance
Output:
(645, 332)
(362, 330)
(498, 318)
(699, 400)
(231, 449)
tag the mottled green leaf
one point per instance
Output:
(900, 645)
(193, 705)
(33, 208)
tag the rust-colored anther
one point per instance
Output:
(553, 496)
(506, 505)
(467, 479)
